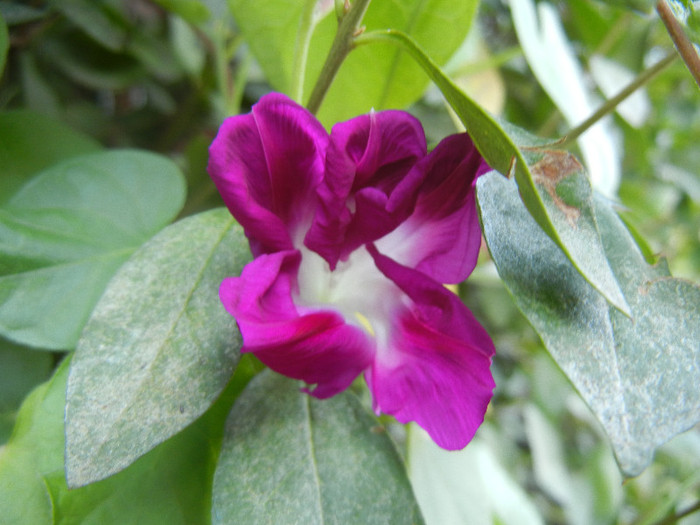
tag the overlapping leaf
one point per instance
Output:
(158, 349)
(65, 233)
(171, 484)
(639, 375)
(289, 458)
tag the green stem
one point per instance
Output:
(612, 103)
(343, 43)
(685, 47)
(301, 50)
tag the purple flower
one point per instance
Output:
(353, 235)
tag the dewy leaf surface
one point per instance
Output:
(171, 484)
(158, 349)
(578, 239)
(638, 375)
(66, 232)
(290, 458)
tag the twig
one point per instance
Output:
(683, 44)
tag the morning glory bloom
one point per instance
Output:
(353, 236)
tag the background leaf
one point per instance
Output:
(290, 458)
(66, 232)
(465, 486)
(158, 349)
(554, 63)
(639, 375)
(382, 76)
(272, 30)
(31, 142)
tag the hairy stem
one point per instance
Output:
(348, 27)
(610, 104)
(683, 44)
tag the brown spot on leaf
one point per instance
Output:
(549, 171)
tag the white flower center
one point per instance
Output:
(356, 289)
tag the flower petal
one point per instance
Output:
(442, 236)
(266, 165)
(370, 184)
(434, 367)
(317, 347)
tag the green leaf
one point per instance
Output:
(20, 371)
(277, 32)
(158, 349)
(66, 232)
(192, 11)
(30, 142)
(290, 458)
(171, 484)
(379, 78)
(570, 224)
(383, 77)
(638, 375)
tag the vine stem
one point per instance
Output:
(610, 104)
(683, 44)
(348, 28)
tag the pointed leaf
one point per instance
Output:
(290, 458)
(498, 146)
(66, 232)
(158, 349)
(638, 375)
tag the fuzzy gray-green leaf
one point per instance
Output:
(289, 458)
(639, 375)
(158, 349)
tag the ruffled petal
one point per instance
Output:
(370, 184)
(317, 347)
(266, 165)
(434, 367)
(442, 236)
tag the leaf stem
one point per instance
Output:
(348, 27)
(610, 104)
(685, 47)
